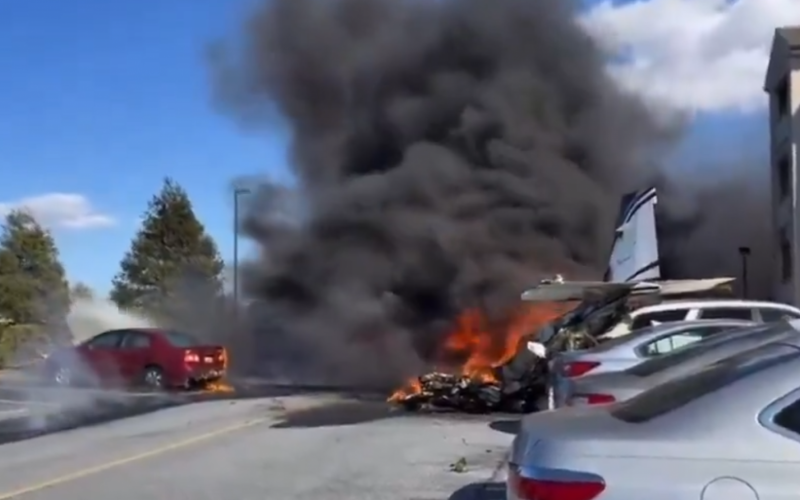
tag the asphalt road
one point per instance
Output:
(310, 446)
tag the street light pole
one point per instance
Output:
(236, 194)
(744, 252)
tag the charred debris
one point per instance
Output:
(520, 385)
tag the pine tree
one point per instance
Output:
(33, 287)
(173, 265)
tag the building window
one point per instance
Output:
(786, 258)
(782, 96)
(784, 177)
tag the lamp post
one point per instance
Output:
(237, 193)
(744, 252)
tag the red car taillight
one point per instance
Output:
(578, 368)
(191, 357)
(583, 487)
(599, 399)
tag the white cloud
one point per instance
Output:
(61, 210)
(694, 55)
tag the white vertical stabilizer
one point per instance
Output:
(634, 254)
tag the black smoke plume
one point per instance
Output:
(705, 225)
(448, 154)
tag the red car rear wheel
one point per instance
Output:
(153, 378)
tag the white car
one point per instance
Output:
(687, 310)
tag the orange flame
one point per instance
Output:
(476, 345)
(221, 385)
(410, 388)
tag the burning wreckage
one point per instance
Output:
(556, 316)
(518, 382)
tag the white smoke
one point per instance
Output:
(57, 406)
(88, 317)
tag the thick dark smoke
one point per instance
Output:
(448, 154)
(704, 227)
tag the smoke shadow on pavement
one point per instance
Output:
(74, 408)
(363, 408)
(506, 426)
(35, 425)
(480, 491)
(251, 390)
(338, 413)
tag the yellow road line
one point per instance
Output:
(72, 476)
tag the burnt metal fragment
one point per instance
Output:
(444, 391)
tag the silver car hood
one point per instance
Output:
(569, 422)
(592, 431)
(585, 424)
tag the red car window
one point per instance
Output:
(180, 339)
(106, 340)
(136, 340)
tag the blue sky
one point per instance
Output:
(106, 98)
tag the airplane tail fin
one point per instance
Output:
(633, 268)
(634, 254)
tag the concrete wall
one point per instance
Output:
(794, 139)
(785, 136)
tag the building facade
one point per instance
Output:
(783, 87)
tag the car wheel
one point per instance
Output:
(153, 378)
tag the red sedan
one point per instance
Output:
(153, 358)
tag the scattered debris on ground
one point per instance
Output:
(468, 394)
(459, 465)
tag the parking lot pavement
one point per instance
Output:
(28, 408)
(263, 448)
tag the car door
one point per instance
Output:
(100, 354)
(134, 354)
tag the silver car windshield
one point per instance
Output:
(666, 329)
(688, 352)
(681, 391)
